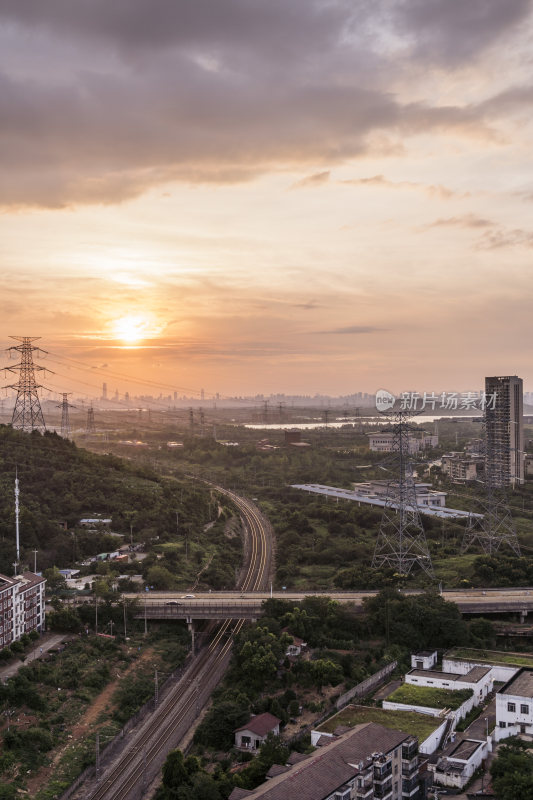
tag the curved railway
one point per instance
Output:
(128, 777)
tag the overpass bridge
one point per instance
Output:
(248, 605)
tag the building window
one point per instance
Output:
(511, 707)
(502, 724)
(524, 709)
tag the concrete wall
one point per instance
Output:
(499, 672)
(458, 714)
(429, 745)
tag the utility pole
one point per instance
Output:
(124, 607)
(95, 613)
(97, 755)
(202, 422)
(65, 422)
(35, 560)
(27, 412)
(156, 690)
(191, 421)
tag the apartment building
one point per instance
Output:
(21, 606)
(367, 762)
(504, 427)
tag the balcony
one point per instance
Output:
(409, 750)
(383, 791)
(382, 771)
(409, 787)
(409, 767)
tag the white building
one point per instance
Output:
(21, 606)
(514, 705)
(425, 494)
(478, 679)
(252, 735)
(459, 764)
(425, 659)
(382, 442)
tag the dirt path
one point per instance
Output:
(82, 727)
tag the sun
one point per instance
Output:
(131, 329)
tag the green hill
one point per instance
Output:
(61, 483)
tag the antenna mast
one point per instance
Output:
(17, 517)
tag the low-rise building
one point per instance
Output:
(425, 494)
(458, 765)
(514, 705)
(367, 762)
(252, 735)
(21, 606)
(461, 468)
(383, 441)
(478, 679)
(425, 659)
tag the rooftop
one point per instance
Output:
(330, 767)
(419, 725)
(490, 657)
(261, 724)
(521, 684)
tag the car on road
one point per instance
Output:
(188, 597)
(172, 603)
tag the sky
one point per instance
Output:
(256, 196)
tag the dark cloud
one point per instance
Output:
(455, 31)
(102, 100)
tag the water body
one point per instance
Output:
(367, 421)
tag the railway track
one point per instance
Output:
(128, 777)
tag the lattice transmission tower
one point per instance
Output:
(27, 412)
(401, 542)
(91, 428)
(65, 421)
(496, 527)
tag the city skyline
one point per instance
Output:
(292, 197)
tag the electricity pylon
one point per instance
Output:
(27, 412)
(90, 421)
(65, 422)
(401, 542)
(496, 528)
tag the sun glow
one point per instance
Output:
(131, 329)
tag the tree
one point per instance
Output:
(512, 771)
(160, 578)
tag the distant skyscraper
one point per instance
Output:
(504, 426)
(104, 391)
(202, 394)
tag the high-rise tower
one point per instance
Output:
(504, 431)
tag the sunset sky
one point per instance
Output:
(268, 195)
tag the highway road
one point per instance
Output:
(140, 761)
(207, 605)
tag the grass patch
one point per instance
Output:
(419, 725)
(430, 697)
(490, 656)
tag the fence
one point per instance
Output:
(366, 686)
